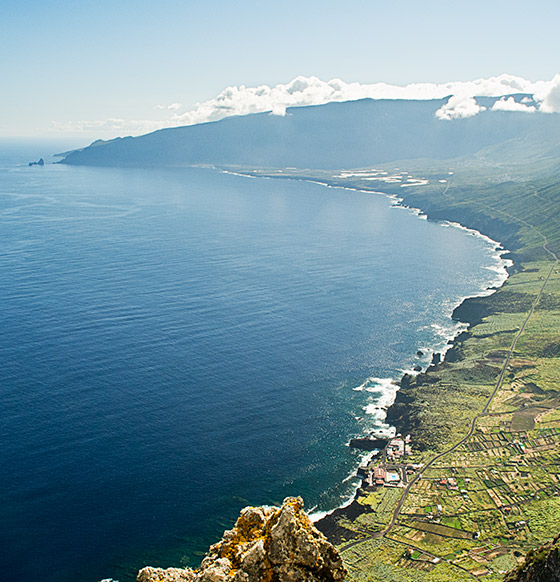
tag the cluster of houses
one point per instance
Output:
(382, 476)
(449, 482)
(387, 468)
(398, 447)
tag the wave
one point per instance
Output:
(315, 516)
(380, 393)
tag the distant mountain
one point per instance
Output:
(335, 135)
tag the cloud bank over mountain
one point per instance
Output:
(303, 91)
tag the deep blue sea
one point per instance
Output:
(177, 344)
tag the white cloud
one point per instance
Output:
(172, 107)
(550, 96)
(510, 104)
(302, 91)
(278, 109)
(459, 107)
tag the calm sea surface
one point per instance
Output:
(176, 344)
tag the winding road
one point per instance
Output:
(484, 411)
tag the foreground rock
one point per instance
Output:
(542, 565)
(267, 544)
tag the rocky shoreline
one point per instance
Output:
(401, 414)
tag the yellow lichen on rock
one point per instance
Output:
(267, 544)
(150, 574)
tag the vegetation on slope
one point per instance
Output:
(333, 135)
(488, 417)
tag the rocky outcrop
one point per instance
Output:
(368, 443)
(542, 565)
(267, 544)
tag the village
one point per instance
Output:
(388, 467)
(474, 511)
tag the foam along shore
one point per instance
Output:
(391, 411)
(399, 417)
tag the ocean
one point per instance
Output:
(179, 343)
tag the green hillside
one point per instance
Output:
(335, 135)
(485, 423)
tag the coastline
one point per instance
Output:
(400, 414)
(484, 419)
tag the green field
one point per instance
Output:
(489, 415)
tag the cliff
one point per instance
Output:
(267, 544)
(541, 565)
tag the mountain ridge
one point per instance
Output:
(334, 135)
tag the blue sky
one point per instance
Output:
(63, 62)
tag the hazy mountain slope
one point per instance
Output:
(334, 135)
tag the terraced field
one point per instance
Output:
(487, 419)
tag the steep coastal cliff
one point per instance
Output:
(541, 565)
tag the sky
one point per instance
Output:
(99, 69)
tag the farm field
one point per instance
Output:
(484, 423)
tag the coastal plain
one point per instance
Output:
(484, 423)
(477, 484)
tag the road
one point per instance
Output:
(489, 400)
